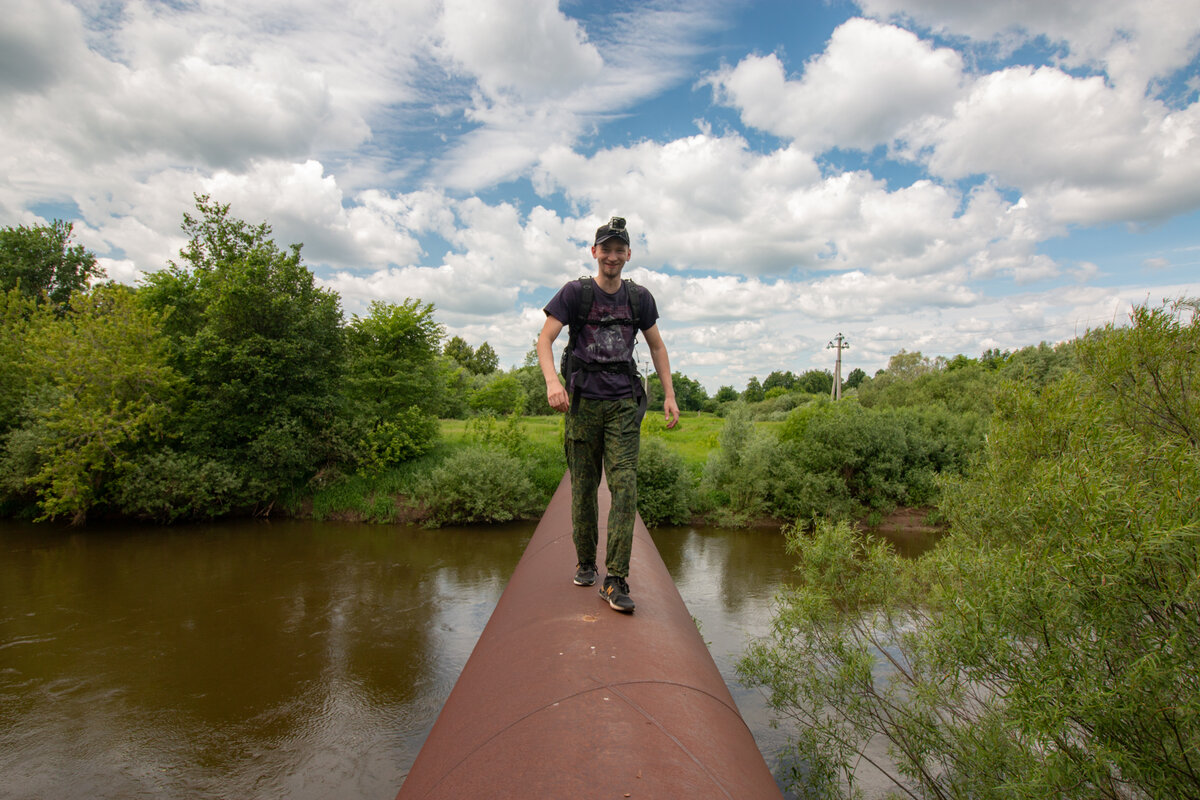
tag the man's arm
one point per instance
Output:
(556, 393)
(662, 365)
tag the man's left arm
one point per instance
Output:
(662, 365)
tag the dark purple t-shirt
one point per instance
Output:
(603, 343)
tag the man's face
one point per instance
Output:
(611, 256)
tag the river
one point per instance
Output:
(282, 659)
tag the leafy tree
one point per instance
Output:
(906, 366)
(959, 362)
(664, 485)
(478, 361)
(876, 458)
(261, 349)
(42, 261)
(689, 394)
(392, 381)
(750, 474)
(854, 379)
(754, 392)
(457, 382)
(101, 388)
(1047, 646)
(726, 394)
(391, 359)
(499, 394)
(966, 389)
(485, 361)
(1041, 363)
(458, 349)
(534, 386)
(815, 381)
(16, 309)
(786, 380)
(993, 357)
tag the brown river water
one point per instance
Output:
(283, 659)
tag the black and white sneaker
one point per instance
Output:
(616, 592)
(585, 574)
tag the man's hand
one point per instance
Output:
(556, 396)
(670, 412)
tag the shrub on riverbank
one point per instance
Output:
(664, 486)
(1047, 646)
(478, 484)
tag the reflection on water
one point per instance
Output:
(283, 659)
(242, 660)
(729, 579)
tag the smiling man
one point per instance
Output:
(604, 401)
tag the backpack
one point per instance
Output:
(571, 364)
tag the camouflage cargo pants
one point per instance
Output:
(604, 434)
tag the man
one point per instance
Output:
(604, 401)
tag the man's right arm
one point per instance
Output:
(556, 393)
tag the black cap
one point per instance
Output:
(615, 228)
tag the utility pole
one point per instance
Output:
(841, 344)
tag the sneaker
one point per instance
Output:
(616, 592)
(585, 574)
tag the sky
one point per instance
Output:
(922, 175)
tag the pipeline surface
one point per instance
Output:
(564, 697)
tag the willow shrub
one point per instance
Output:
(1047, 647)
(478, 484)
(664, 485)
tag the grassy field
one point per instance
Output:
(693, 437)
(378, 496)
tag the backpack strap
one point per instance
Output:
(575, 326)
(570, 364)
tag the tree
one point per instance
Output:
(993, 358)
(392, 382)
(485, 361)
(102, 389)
(786, 380)
(499, 394)
(854, 379)
(391, 362)
(754, 391)
(42, 261)
(458, 349)
(534, 386)
(16, 310)
(815, 381)
(1047, 646)
(689, 394)
(479, 361)
(906, 366)
(726, 394)
(261, 349)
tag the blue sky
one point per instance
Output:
(924, 175)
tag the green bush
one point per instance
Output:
(881, 457)
(167, 486)
(748, 474)
(478, 484)
(409, 434)
(664, 485)
(1047, 646)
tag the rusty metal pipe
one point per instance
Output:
(564, 697)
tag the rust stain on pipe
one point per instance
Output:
(564, 697)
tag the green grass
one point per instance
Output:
(537, 430)
(373, 497)
(695, 435)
